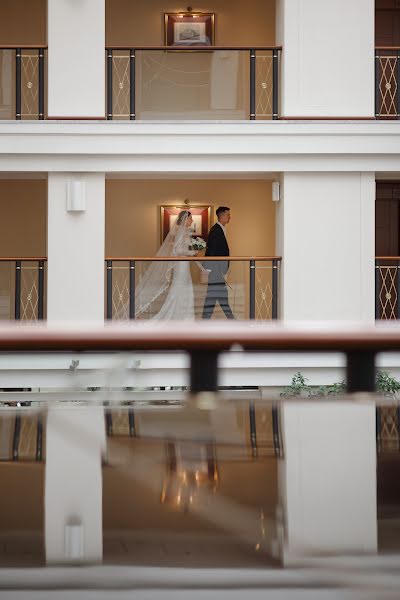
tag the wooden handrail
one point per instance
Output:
(26, 258)
(195, 48)
(387, 47)
(217, 336)
(387, 257)
(194, 258)
(24, 47)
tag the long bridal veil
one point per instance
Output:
(155, 281)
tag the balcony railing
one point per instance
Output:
(387, 81)
(22, 288)
(252, 282)
(206, 83)
(22, 82)
(387, 287)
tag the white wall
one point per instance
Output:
(326, 235)
(327, 479)
(76, 58)
(75, 436)
(75, 280)
(328, 57)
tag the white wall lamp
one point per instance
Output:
(276, 191)
(76, 197)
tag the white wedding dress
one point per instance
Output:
(165, 291)
(179, 303)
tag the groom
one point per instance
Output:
(217, 245)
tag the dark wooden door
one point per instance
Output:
(387, 22)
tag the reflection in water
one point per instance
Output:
(184, 486)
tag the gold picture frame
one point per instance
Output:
(189, 29)
(201, 219)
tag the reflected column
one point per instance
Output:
(327, 479)
(75, 442)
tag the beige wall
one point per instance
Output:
(23, 22)
(133, 213)
(23, 217)
(134, 22)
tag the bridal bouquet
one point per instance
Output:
(198, 244)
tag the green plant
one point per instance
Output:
(386, 384)
(330, 390)
(298, 387)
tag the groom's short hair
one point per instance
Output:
(221, 209)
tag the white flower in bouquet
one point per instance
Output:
(198, 244)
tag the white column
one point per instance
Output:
(327, 479)
(326, 236)
(75, 441)
(328, 57)
(76, 246)
(76, 58)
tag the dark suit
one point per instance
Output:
(216, 289)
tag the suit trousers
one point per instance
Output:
(217, 292)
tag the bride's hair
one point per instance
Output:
(183, 215)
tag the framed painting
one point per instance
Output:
(200, 214)
(185, 30)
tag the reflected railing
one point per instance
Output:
(22, 82)
(252, 285)
(204, 83)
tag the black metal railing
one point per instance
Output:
(387, 287)
(387, 81)
(22, 288)
(252, 283)
(166, 82)
(24, 94)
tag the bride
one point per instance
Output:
(166, 289)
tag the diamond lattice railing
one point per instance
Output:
(29, 85)
(121, 86)
(264, 85)
(29, 293)
(120, 293)
(389, 428)
(388, 86)
(388, 291)
(263, 296)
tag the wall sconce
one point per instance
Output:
(76, 197)
(276, 191)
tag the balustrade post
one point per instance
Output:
(16, 436)
(377, 290)
(274, 307)
(39, 439)
(275, 84)
(109, 289)
(109, 84)
(203, 371)
(361, 372)
(41, 84)
(276, 432)
(18, 84)
(40, 289)
(378, 429)
(132, 85)
(132, 426)
(17, 290)
(132, 288)
(252, 85)
(252, 307)
(253, 430)
(377, 88)
(398, 83)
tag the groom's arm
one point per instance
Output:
(212, 246)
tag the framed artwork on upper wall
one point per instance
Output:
(185, 30)
(200, 214)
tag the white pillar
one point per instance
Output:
(75, 441)
(328, 57)
(327, 479)
(76, 58)
(76, 246)
(326, 236)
